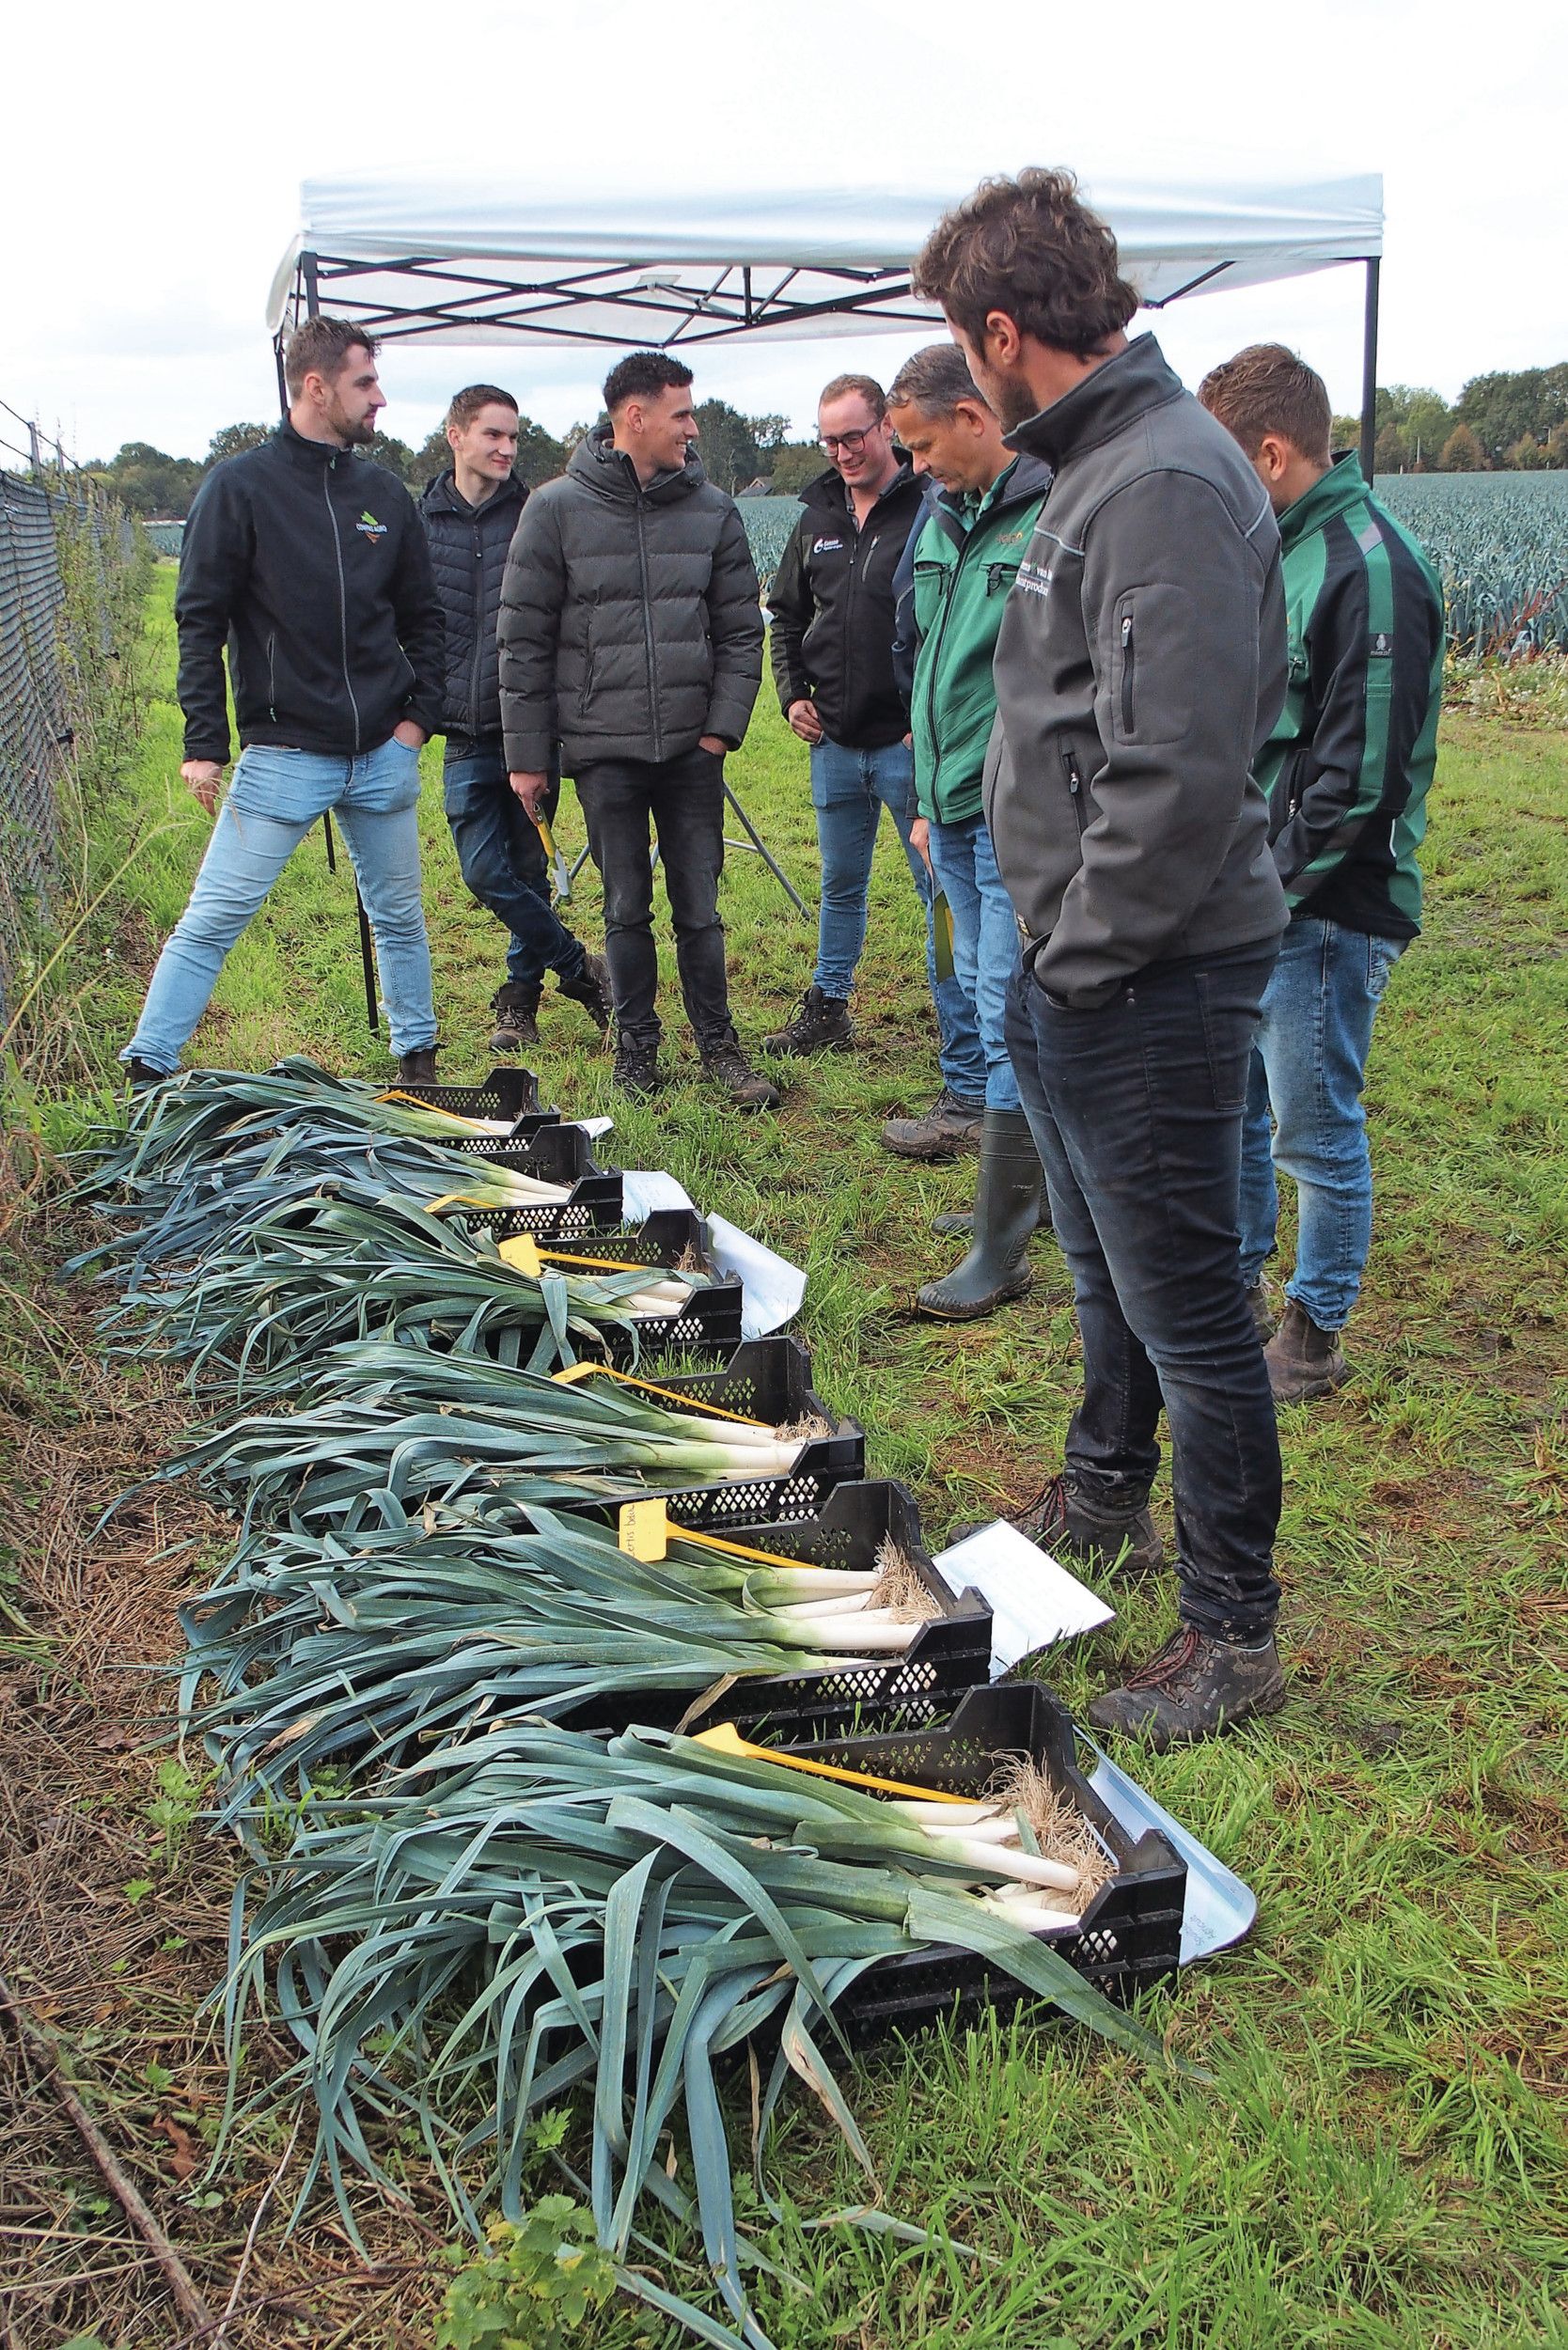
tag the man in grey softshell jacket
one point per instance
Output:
(631, 634)
(1139, 664)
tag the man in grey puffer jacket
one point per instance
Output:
(1139, 666)
(630, 633)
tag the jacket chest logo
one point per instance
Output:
(1034, 579)
(369, 526)
(827, 546)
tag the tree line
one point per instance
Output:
(1510, 422)
(736, 450)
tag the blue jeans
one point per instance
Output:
(1308, 1067)
(849, 791)
(274, 798)
(502, 860)
(985, 943)
(1136, 1109)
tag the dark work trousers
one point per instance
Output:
(684, 799)
(1137, 1112)
(502, 858)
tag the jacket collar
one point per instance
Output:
(1028, 477)
(1103, 404)
(601, 466)
(1342, 486)
(442, 496)
(303, 452)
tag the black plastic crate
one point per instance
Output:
(552, 1153)
(767, 1379)
(511, 1094)
(1130, 1935)
(839, 1698)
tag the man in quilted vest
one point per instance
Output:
(469, 514)
(630, 637)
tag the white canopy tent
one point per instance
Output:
(426, 257)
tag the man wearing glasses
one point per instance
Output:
(833, 623)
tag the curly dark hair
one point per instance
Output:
(1028, 247)
(641, 374)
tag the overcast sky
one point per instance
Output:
(151, 159)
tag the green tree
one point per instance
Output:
(234, 440)
(148, 480)
(794, 464)
(1504, 408)
(1463, 452)
(727, 446)
(396, 455)
(540, 456)
(431, 459)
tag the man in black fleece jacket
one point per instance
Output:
(309, 565)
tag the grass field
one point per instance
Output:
(1379, 2160)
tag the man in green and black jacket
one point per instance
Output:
(950, 591)
(1346, 770)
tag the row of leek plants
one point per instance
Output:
(476, 1912)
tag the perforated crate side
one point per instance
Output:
(1129, 1936)
(511, 1092)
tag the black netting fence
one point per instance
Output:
(67, 558)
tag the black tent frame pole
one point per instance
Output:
(1369, 371)
(307, 278)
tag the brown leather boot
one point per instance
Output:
(1303, 1361)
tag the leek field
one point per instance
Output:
(1501, 544)
(1377, 2158)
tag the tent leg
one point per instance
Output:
(766, 855)
(367, 952)
(1369, 372)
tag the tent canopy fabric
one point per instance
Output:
(425, 258)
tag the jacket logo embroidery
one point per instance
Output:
(369, 524)
(827, 546)
(1033, 578)
(1382, 646)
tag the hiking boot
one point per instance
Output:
(821, 1024)
(1194, 1688)
(1006, 1200)
(417, 1068)
(140, 1074)
(636, 1069)
(516, 1006)
(1094, 1535)
(1303, 1361)
(948, 1127)
(592, 989)
(729, 1067)
(1261, 1313)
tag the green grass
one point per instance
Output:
(1380, 2159)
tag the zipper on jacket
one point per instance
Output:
(648, 631)
(272, 675)
(473, 712)
(1127, 673)
(1074, 785)
(590, 651)
(342, 597)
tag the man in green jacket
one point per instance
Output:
(950, 591)
(1346, 770)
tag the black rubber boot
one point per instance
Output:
(417, 1068)
(1194, 1688)
(958, 1223)
(1007, 1203)
(821, 1024)
(516, 1006)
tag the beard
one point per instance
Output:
(1012, 399)
(352, 435)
